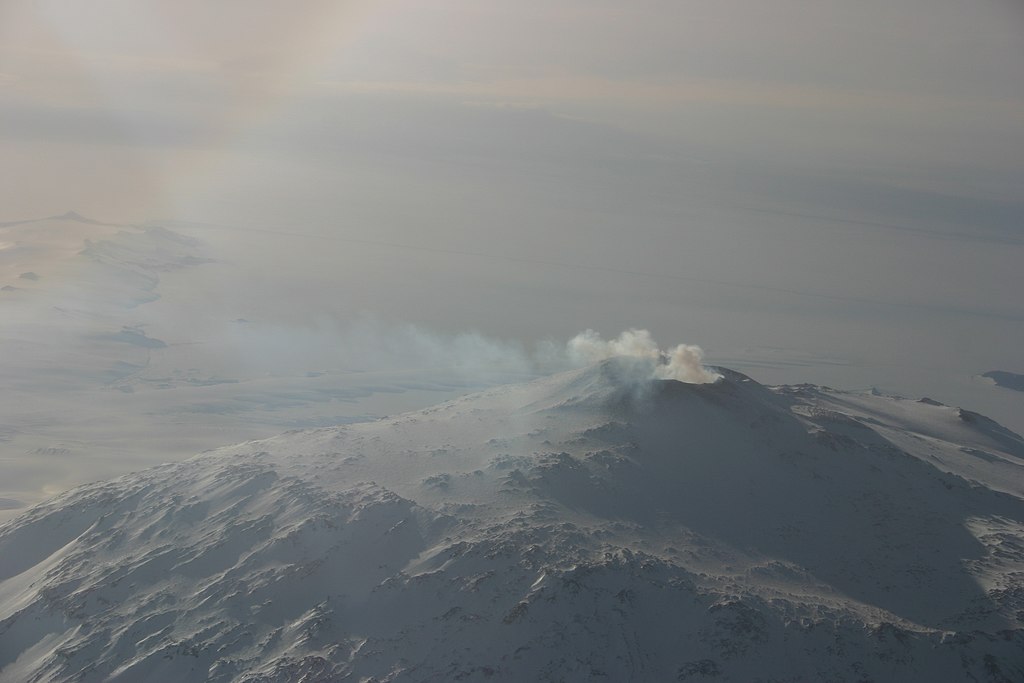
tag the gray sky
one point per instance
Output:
(916, 95)
(812, 191)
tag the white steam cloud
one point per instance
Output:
(369, 345)
(683, 363)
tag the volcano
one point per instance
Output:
(592, 525)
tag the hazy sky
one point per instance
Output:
(838, 180)
(132, 108)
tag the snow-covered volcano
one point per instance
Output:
(587, 526)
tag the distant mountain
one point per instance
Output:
(66, 216)
(1010, 380)
(587, 526)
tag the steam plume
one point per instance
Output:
(683, 363)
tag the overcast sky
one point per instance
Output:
(150, 97)
(837, 179)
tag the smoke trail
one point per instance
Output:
(366, 344)
(683, 363)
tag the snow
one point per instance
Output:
(121, 336)
(579, 527)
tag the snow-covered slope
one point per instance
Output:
(586, 526)
(113, 336)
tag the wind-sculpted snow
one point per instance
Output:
(574, 528)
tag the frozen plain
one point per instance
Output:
(127, 346)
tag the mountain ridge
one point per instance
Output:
(591, 524)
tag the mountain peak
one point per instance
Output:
(75, 216)
(603, 524)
